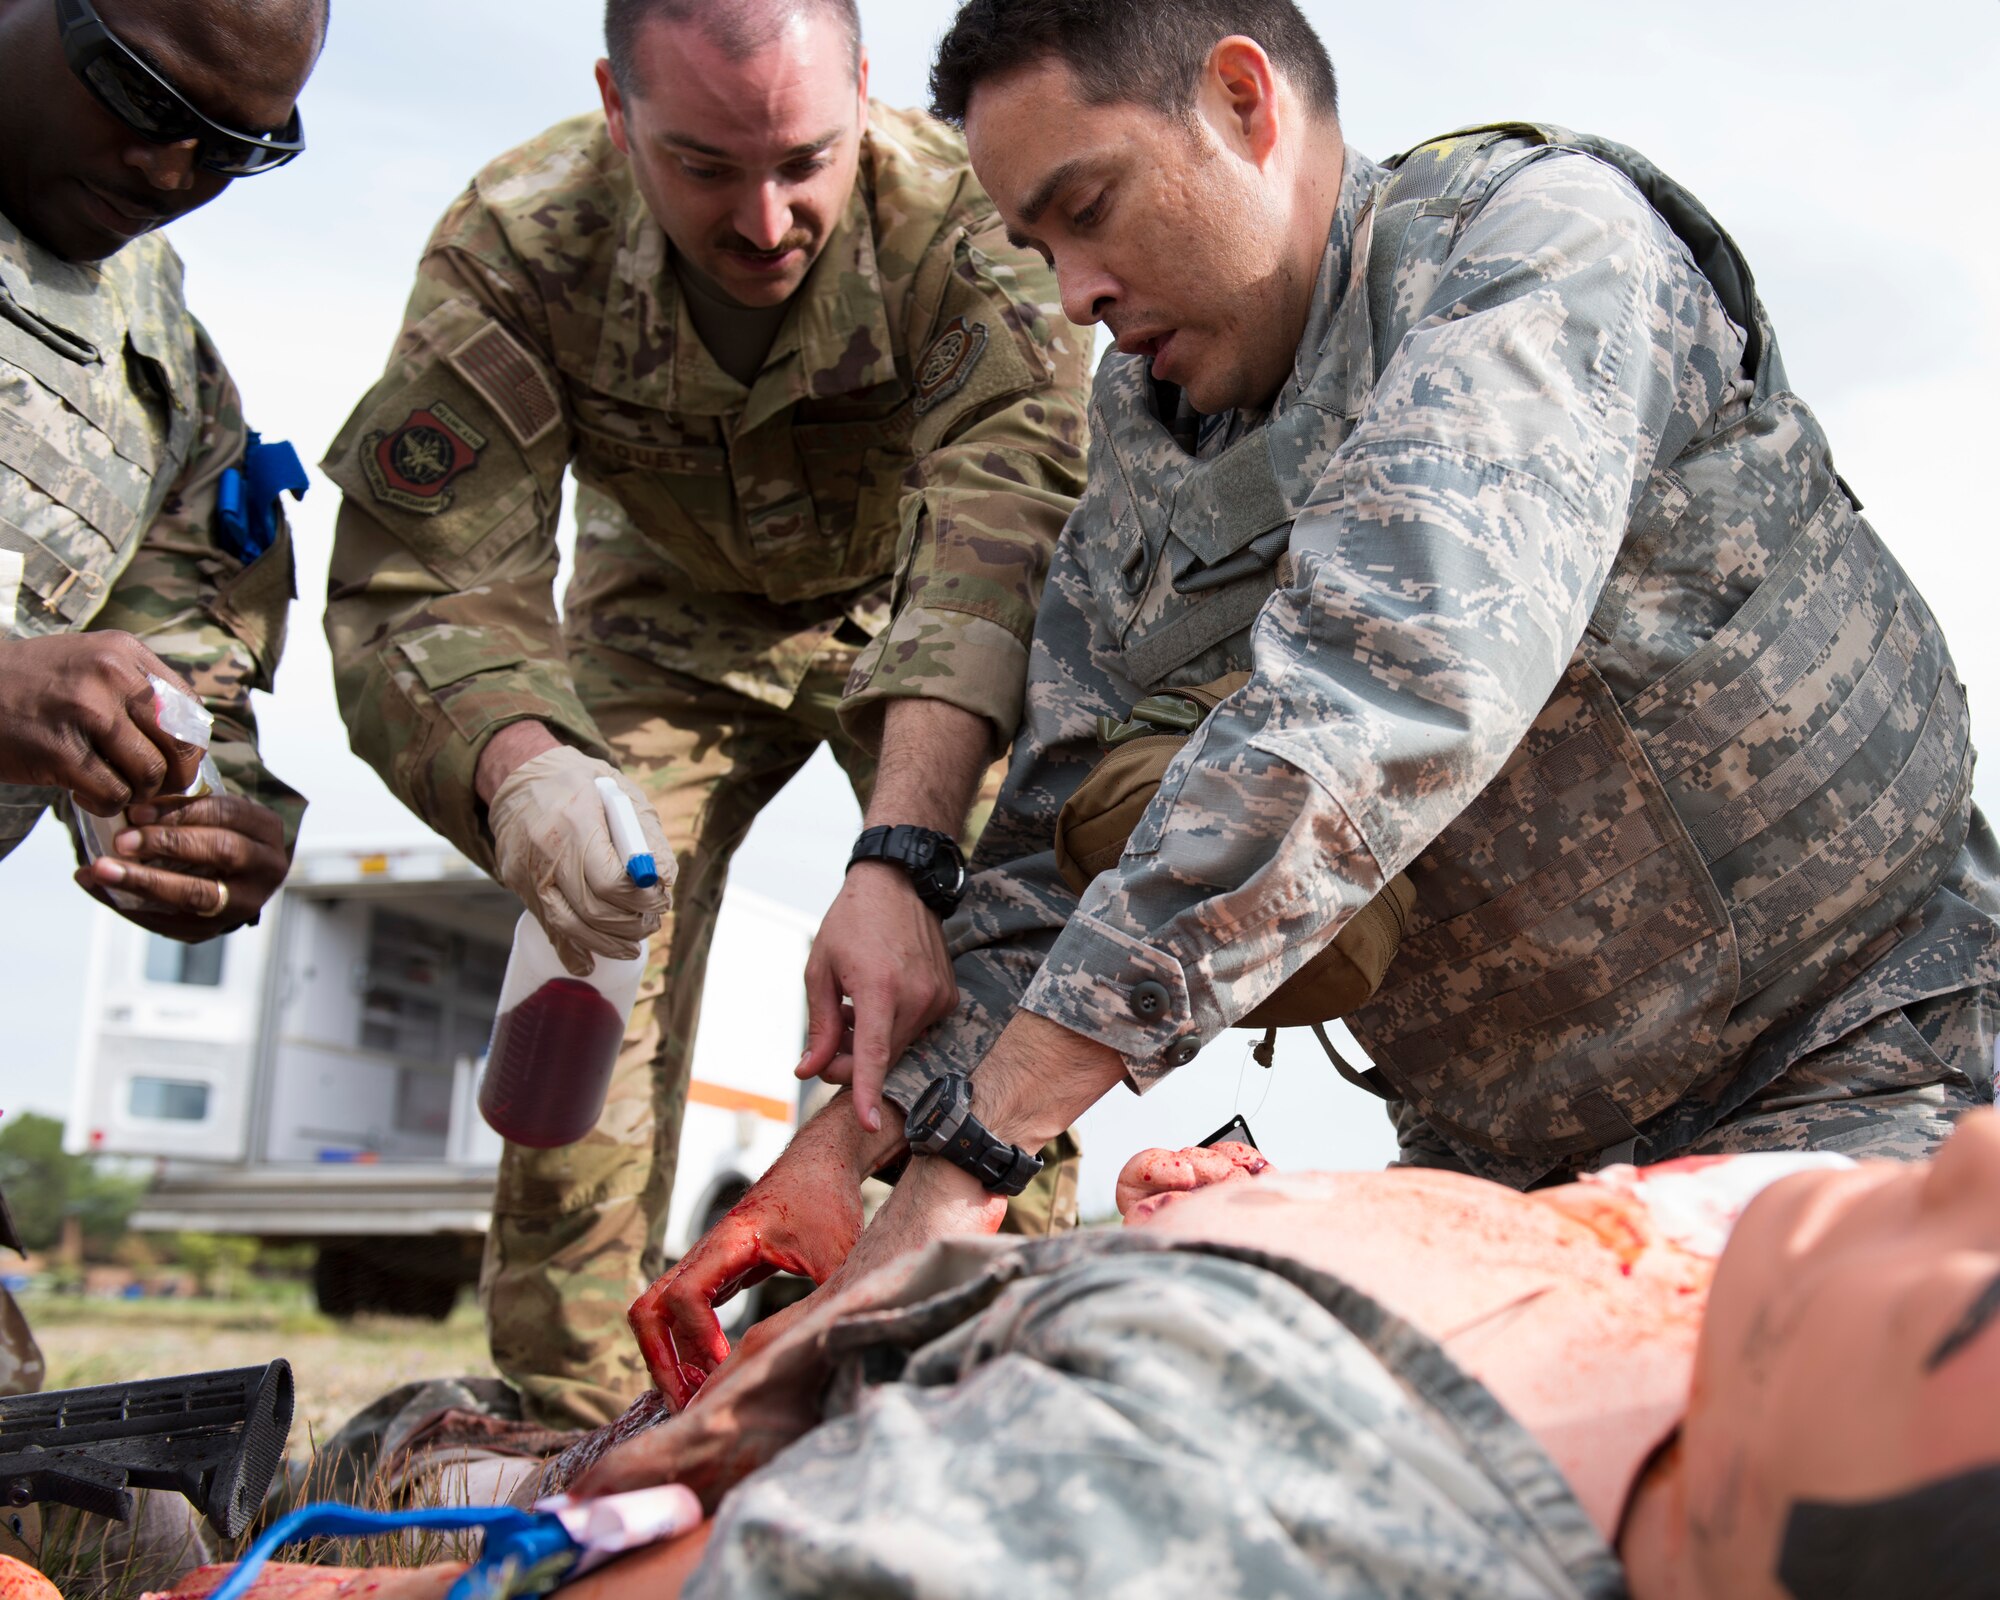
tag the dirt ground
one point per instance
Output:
(338, 1367)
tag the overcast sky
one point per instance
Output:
(1847, 147)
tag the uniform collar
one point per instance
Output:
(57, 301)
(1358, 186)
(1360, 180)
(835, 341)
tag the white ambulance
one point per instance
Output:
(316, 1077)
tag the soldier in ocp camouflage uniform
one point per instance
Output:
(809, 513)
(1551, 597)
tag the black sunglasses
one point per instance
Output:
(133, 92)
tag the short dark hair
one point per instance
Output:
(1145, 52)
(739, 27)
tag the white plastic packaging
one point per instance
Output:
(181, 717)
(615, 1523)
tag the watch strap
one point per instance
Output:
(921, 853)
(1003, 1168)
(1000, 1167)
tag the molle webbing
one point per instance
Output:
(1863, 860)
(90, 497)
(101, 418)
(1816, 745)
(1809, 771)
(1588, 922)
(64, 592)
(1222, 615)
(49, 366)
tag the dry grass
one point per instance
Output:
(338, 1367)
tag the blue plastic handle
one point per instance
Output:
(524, 1552)
(246, 496)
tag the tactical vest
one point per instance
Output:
(99, 412)
(1691, 843)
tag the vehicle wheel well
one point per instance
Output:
(723, 1193)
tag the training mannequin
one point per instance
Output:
(1694, 1408)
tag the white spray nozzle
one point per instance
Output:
(626, 835)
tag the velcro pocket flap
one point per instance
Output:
(449, 654)
(1226, 503)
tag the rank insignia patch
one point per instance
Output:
(949, 362)
(412, 466)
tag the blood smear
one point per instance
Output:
(549, 1067)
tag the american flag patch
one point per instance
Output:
(509, 380)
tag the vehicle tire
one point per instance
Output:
(342, 1280)
(420, 1295)
(397, 1277)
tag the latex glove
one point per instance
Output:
(553, 848)
(802, 1216)
(882, 949)
(1152, 1175)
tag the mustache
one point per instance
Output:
(797, 239)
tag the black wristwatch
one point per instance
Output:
(941, 1123)
(933, 861)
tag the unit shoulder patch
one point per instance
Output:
(949, 362)
(412, 466)
(509, 380)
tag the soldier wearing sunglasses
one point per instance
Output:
(138, 528)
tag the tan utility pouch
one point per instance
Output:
(1097, 822)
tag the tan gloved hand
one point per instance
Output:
(554, 849)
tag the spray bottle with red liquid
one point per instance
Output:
(556, 1037)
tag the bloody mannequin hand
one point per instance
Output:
(802, 1216)
(1152, 1175)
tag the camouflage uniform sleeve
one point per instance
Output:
(440, 604)
(1439, 580)
(1016, 902)
(218, 622)
(1001, 397)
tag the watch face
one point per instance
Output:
(932, 1119)
(930, 1102)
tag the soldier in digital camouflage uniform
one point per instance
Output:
(1551, 598)
(117, 422)
(852, 526)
